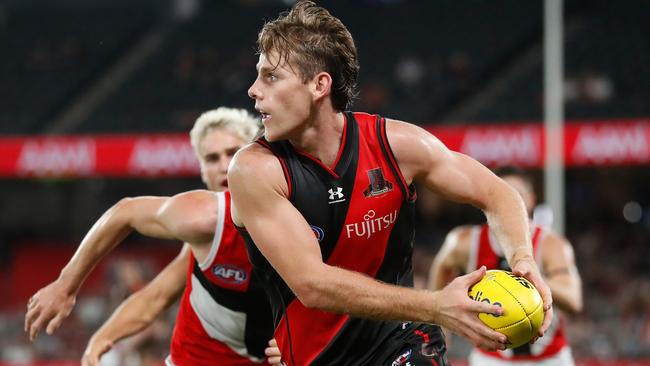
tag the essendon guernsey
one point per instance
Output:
(362, 213)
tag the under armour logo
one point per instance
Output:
(336, 196)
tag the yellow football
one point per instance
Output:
(523, 310)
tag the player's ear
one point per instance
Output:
(321, 85)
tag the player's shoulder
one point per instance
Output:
(412, 143)
(460, 239)
(456, 249)
(196, 195)
(552, 236)
(196, 201)
(257, 165)
(253, 156)
(462, 233)
(399, 128)
(553, 241)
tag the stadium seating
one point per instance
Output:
(55, 52)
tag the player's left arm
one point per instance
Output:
(451, 259)
(140, 309)
(561, 273)
(423, 158)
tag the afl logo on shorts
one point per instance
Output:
(318, 232)
(230, 274)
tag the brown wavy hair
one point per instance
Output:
(312, 40)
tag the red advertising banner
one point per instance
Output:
(83, 156)
(496, 144)
(608, 143)
(598, 143)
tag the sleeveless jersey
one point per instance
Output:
(362, 214)
(224, 316)
(485, 251)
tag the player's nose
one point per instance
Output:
(253, 91)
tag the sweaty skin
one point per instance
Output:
(190, 217)
(302, 112)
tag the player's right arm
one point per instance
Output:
(189, 216)
(259, 194)
(140, 309)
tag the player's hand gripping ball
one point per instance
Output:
(523, 310)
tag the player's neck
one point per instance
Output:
(322, 136)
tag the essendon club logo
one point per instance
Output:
(378, 185)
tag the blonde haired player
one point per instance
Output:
(469, 247)
(224, 317)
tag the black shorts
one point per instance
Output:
(414, 345)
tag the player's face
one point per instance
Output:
(281, 96)
(524, 189)
(217, 149)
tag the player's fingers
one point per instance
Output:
(94, 353)
(273, 343)
(272, 351)
(473, 277)
(275, 361)
(490, 346)
(31, 302)
(525, 270)
(484, 307)
(55, 323)
(105, 347)
(30, 316)
(38, 324)
(521, 268)
(492, 337)
(34, 329)
(547, 298)
(548, 318)
(488, 334)
(90, 360)
(479, 339)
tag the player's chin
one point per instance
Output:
(271, 136)
(273, 133)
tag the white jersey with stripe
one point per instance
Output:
(220, 305)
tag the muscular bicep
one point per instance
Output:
(143, 215)
(188, 216)
(423, 158)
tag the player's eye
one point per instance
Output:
(211, 158)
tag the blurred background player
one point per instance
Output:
(224, 317)
(469, 247)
